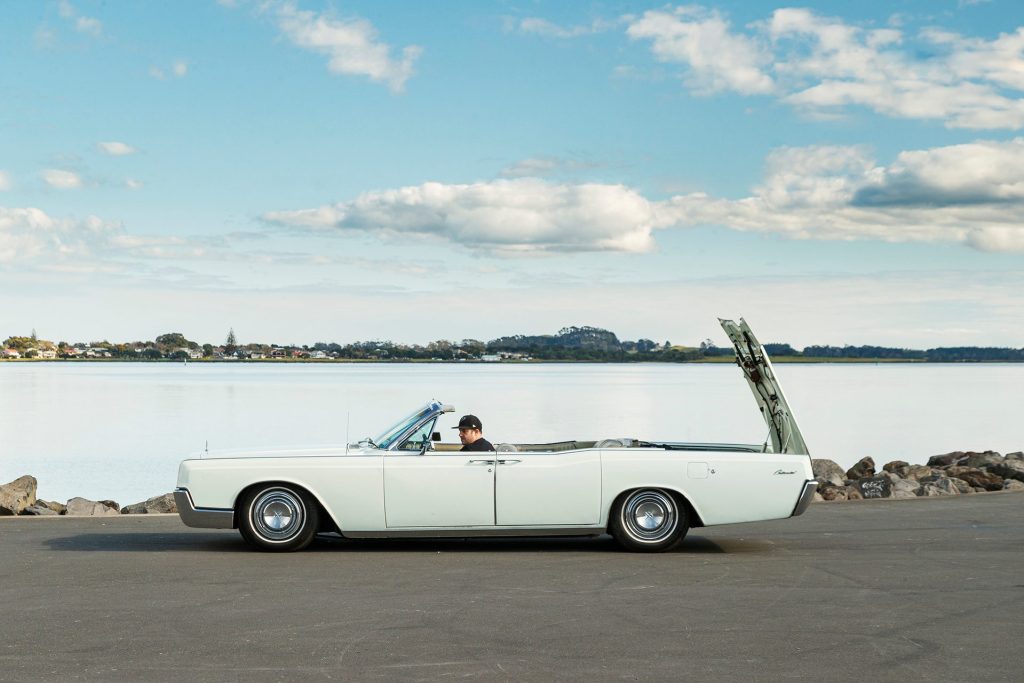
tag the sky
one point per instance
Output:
(306, 171)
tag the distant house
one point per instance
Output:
(11, 353)
(278, 353)
(318, 355)
(257, 355)
(195, 353)
(490, 358)
(48, 354)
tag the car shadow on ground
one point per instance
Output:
(230, 542)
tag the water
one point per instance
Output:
(118, 430)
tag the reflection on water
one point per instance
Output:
(118, 430)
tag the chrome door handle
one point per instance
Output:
(480, 462)
(509, 462)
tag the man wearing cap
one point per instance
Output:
(471, 434)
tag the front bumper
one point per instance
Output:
(203, 518)
(810, 487)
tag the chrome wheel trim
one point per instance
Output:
(649, 516)
(277, 515)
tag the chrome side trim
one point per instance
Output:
(476, 532)
(805, 498)
(203, 518)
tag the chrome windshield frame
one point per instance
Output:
(415, 420)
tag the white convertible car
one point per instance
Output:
(403, 483)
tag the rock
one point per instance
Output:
(164, 503)
(891, 476)
(875, 487)
(897, 467)
(59, 508)
(978, 489)
(954, 458)
(1008, 469)
(938, 485)
(833, 493)
(853, 493)
(111, 504)
(865, 467)
(17, 495)
(817, 498)
(977, 477)
(1018, 455)
(1013, 485)
(81, 507)
(917, 472)
(39, 511)
(983, 459)
(905, 488)
(961, 485)
(827, 472)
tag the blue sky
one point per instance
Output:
(309, 171)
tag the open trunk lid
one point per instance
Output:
(753, 360)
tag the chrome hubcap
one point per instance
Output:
(277, 514)
(649, 516)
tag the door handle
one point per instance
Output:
(509, 462)
(480, 462)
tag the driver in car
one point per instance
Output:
(471, 434)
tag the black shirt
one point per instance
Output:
(480, 444)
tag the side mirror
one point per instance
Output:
(436, 436)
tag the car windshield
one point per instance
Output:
(388, 436)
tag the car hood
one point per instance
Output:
(283, 452)
(753, 360)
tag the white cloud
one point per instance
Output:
(179, 68)
(502, 216)
(83, 24)
(972, 194)
(544, 166)
(62, 180)
(351, 45)
(5, 181)
(824, 65)
(133, 184)
(543, 27)
(716, 58)
(116, 149)
(29, 234)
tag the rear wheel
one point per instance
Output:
(649, 520)
(278, 518)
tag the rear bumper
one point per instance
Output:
(810, 487)
(203, 518)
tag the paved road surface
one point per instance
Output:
(927, 589)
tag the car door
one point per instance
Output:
(548, 489)
(437, 489)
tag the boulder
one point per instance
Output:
(917, 472)
(113, 505)
(853, 493)
(1013, 485)
(1018, 455)
(976, 477)
(875, 487)
(59, 508)
(164, 503)
(827, 472)
(17, 495)
(39, 511)
(983, 459)
(865, 467)
(891, 476)
(905, 488)
(961, 485)
(817, 497)
(81, 507)
(1008, 469)
(897, 467)
(954, 458)
(833, 492)
(938, 485)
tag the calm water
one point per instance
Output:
(118, 430)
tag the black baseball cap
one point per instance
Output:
(469, 422)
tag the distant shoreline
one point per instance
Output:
(712, 360)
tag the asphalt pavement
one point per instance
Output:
(925, 589)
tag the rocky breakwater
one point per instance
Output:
(951, 474)
(19, 498)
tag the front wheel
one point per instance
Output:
(649, 520)
(278, 518)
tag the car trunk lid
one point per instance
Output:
(753, 360)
